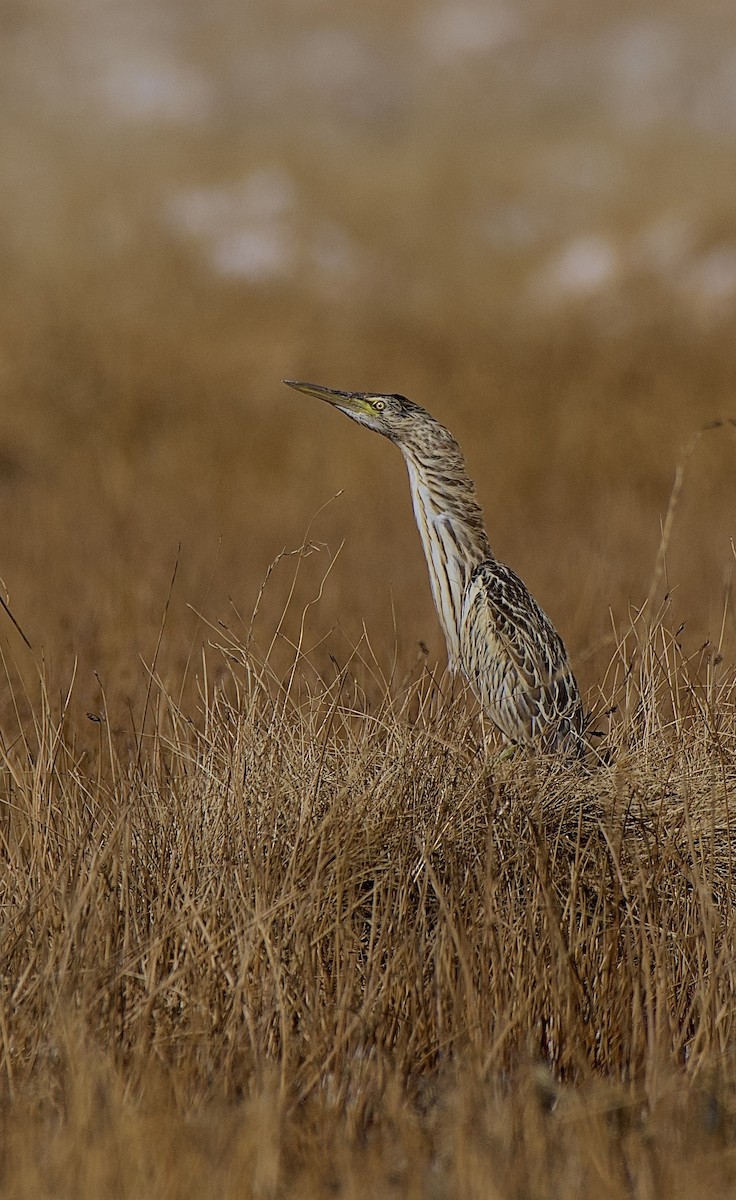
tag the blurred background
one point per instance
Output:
(522, 215)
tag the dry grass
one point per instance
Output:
(274, 922)
(299, 941)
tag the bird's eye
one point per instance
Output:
(379, 405)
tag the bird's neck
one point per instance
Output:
(453, 535)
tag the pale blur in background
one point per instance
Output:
(522, 215)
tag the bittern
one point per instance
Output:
(497, 635)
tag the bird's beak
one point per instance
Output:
(349, 402)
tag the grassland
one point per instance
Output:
(275, 923)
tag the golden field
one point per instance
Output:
(275, 922)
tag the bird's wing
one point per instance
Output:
(515, 660)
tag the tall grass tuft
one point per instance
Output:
(312, 937)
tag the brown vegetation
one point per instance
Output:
(275, 922)
(306, 938)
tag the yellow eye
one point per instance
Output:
(379, 405)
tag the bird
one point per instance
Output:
(497, 635)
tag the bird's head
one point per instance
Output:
(393, 416)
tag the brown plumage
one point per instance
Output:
(496, 633)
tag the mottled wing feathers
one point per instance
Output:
(516, 663)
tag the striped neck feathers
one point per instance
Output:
(450, 525)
